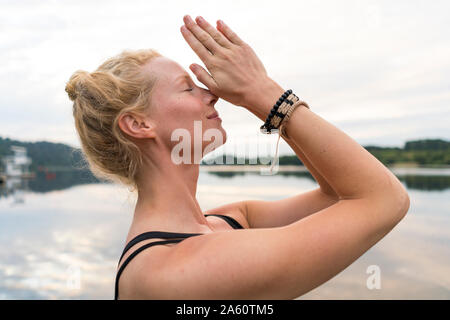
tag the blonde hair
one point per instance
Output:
(100, 98)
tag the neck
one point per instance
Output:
(167, 198)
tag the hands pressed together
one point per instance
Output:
(235, 72)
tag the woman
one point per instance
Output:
(126, 113)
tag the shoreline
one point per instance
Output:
(298, 168)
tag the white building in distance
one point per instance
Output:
(17, 164)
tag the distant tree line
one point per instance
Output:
(44, 154)
(48, 154)
(421, 152)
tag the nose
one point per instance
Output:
(212, 98)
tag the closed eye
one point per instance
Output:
(190, 89)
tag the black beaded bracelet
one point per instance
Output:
(267, 127)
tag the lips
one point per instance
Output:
(213, 115)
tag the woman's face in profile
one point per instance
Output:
(177, 103)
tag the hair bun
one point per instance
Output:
(71, 92)
(73, 85)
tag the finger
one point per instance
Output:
(203, 76)
(198, 48)
(201, 35)
(216, 35)
(230, 34)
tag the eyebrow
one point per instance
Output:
(184, 76)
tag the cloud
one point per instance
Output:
(352, 61)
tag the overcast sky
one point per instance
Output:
(378, 70)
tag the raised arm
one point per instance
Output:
(238, 76)
(350, 170)
(282, 262)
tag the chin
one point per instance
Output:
(223, 140)
(224, 134)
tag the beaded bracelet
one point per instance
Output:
(279, 116)
(283, 110)
(278, 112)
(267, 126)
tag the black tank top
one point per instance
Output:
(173, 236)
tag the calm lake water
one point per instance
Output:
(61, 235)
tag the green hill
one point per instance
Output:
(44, 153)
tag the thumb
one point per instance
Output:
(203, 76)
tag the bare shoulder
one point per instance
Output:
(134, 278)
(235, 210)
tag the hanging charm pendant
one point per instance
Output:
(265, 130)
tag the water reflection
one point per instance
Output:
(414, 180)
(14, 187)
(45, 182)
(426, 182)
(58, 228)
(418, 179)
(61, 180)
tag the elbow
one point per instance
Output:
(403, 197)
(405, 203)
(401, 203)
(394, 202)
(400, 196)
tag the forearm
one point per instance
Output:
(350, 170)
(324, 185)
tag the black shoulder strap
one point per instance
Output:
(142, 237)
(232, 222)
(155, 234)
(131, 256)
(174, 236)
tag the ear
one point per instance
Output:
(137, 126)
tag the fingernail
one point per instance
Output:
(200, 19)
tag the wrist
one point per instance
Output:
(261, 99)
